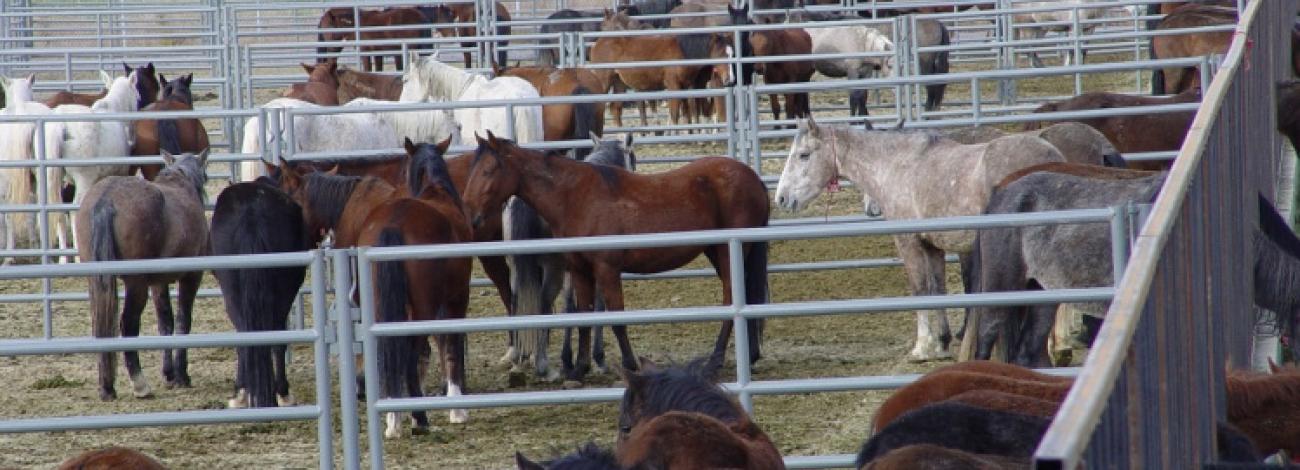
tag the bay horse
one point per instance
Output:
(322, 86)
(649, 48)
(366, 211)
(344, 17)
(1079, 143)
(565, 121)
(678, 417)
(589, 456)
(357, 84)
(1178, 80)
(464, 13)
(175, 135)
(126, 218)
(600, 200)
(1151, 132)
(933, 456)
(147, 86)
(251, 218)
(1046, 257)
(899, 170)
(546, 56)
(112, 458)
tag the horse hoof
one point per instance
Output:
(458, 416)
(571, 384)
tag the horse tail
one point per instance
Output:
(584, 120)
(396, 354)
(756, 292)
(103, 288)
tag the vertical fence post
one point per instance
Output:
(320, 322)
(347, 365)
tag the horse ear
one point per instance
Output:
(203, 157)
(445, 144)
(522, 463)
(106, 78)
(409, 146)
(168, 158)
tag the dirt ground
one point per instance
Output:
(828, 346)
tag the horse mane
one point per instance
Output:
(442, 81)
(1250, 391)
(327, 195)
(689, 389)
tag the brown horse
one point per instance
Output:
(112, 458)
(709, 193)
(146, 85)
(366, 211)
(792, 41)
(174, 135)
(933, 457)
(388, 17)
(680, 418)
(1132, 133)
(571, 121)
(126, 218)
(357, 84)
(322, 86)
(464, 13)
(1177, 80)
(647, 49)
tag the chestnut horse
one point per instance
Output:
(112, 458)
(708, 193)
(566, 121)
(1150, 132)
(174, 135)
(680, 418)
(146, 85)
(393, 16)
(464, 13)
(321, 88)
(366, 211)
(356, 84)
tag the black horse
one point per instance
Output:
(252, 218)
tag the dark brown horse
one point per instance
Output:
(112, 458)
(648, 48)
(680, 418)
(464, 13)
(366, 211)
(930, 456)
(173, 135)
(567, 121)
(126, 218)
(146, 85)
(388, 17)
(322, 86)
(709, 193)
(1132, 133)
(357, 84)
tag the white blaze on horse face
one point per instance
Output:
(456, 416)
(806, 172)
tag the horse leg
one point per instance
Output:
(187, 288)
(925, 273)
(133, 305)
(162, 306)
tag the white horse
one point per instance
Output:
(431, 126)
(319, 133)
(89, 140)
(912, 175)
(16, 145)
(430, 80)
(1066, 17)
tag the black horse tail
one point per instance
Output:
(169, 136)
(756, 293)
(396, 354)
(584, 123)
(103, 289)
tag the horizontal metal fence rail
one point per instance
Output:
(1152, 388)
(738, 312)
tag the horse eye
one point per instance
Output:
(805, 155)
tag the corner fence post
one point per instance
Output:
(347, 366)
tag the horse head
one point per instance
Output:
(810, 166)
(493, 178)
